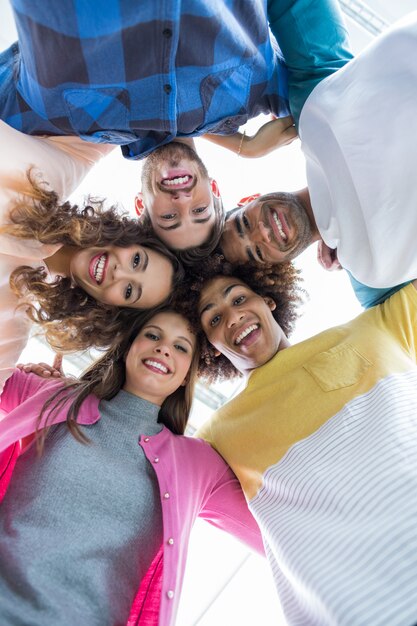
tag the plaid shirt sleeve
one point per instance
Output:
(138, 74)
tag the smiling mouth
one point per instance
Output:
(98, 266)
(276, 221)
(177, 182)
(245, 333)
(157, 366)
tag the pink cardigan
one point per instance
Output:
(194, 481)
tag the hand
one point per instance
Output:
(327, 257)
(274, 134)
(43, 369)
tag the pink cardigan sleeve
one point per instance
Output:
(227, 509)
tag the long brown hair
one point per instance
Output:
(72, 319)
(106, 377)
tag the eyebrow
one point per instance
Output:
(145, 265)
(138, 297)
(239, 228)
(146, 261)
(226, 292)
(203, 220)
(160, 329)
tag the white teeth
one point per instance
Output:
(181, 180)
(279, 225)
(245, 333)
(99, 268)
(158, 366)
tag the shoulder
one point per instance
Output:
(197, 452)
(21, 386)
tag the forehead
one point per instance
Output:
(187, 233)
(217, 290)
(169, 321)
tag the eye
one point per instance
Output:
(168, 216)
(180, 348)
(200, 210)
(151, 336)
(128, 291)
(238, 300)
(215, 320)
(136, 260)
(245, 222)
(259, 253)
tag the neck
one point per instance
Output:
(189, 141)
(303, 196)
(130, 388)
(284, 343)
(59, 263)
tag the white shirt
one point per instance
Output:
(359, 135)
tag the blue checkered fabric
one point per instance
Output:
(140, 72)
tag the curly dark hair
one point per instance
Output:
(280, 281)
(71, 318)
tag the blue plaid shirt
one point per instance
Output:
(140, 73)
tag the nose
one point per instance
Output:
(119, 272)
(234, 317)
(264, 232)
(180, 196)
(162, 349)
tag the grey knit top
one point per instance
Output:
(80, 526)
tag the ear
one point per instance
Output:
(139, 204)
(217, 353)
(248, 199)
(214, 188)
(272, 305)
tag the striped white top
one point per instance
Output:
(339, 514)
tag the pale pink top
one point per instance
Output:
(62, 162)
(194, 481)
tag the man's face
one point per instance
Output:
(272, 228)
(178, 196)
(239, 323)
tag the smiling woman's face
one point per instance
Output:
(136, 277)
(160, 357)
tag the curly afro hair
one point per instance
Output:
(280, 281)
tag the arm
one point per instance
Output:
(44, 370)
(272, 135)
(14, 323)
(314, 41)
(327, 257)
(227, 509)
(21, 402)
